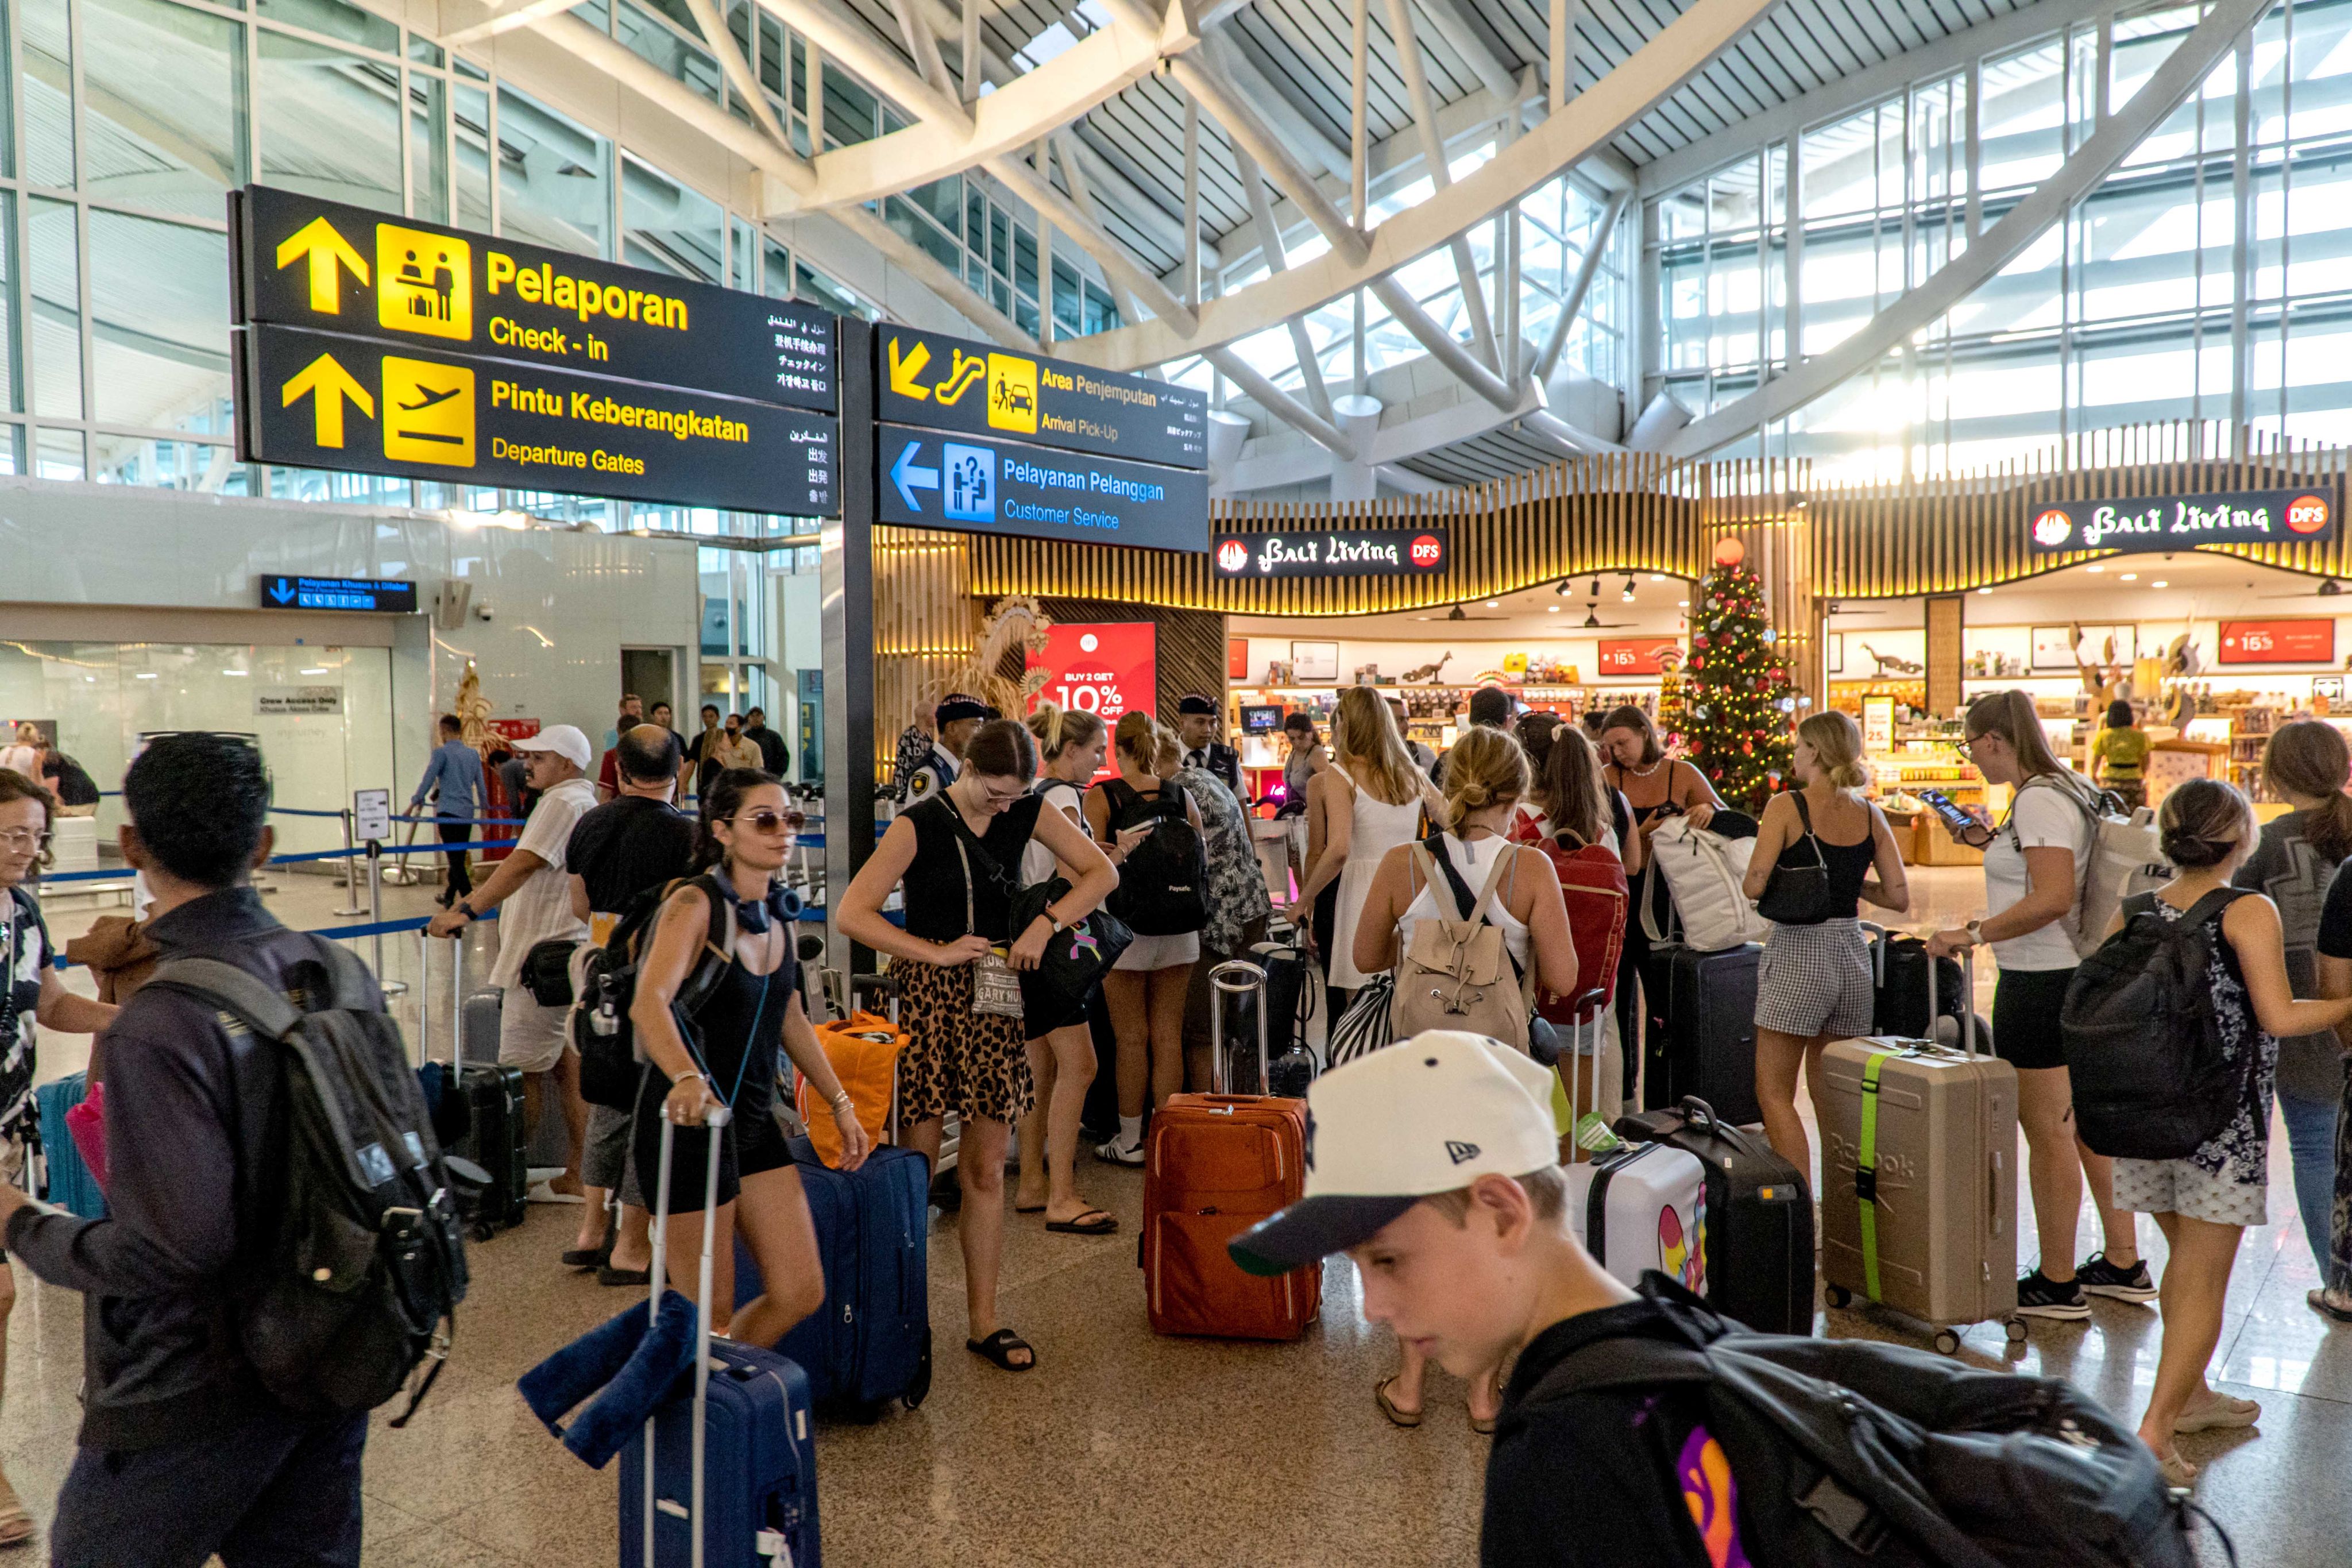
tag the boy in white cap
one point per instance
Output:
(1434, 1166)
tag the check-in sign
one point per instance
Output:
(323, 401)
(302, 262)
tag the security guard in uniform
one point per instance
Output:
(1196, 725)
(956, 718)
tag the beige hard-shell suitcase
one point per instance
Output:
(1919, 1180)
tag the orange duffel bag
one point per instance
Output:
(864, 1050)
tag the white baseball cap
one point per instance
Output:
(564, 740)
(1427, 1115)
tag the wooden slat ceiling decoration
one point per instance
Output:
(1637, 512)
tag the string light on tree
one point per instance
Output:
(1736, 696)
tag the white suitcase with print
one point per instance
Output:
(1641, 1206)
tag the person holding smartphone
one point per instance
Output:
(2033, 865)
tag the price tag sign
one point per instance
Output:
(371, 815)
(1104, 667)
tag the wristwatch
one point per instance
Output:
(1054, 921)
(1975, 930)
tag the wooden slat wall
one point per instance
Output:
(926, 625)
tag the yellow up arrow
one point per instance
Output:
(328, 384)
(903, 371)
(318, 243)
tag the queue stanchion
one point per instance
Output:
(375, 917)
(351, 881)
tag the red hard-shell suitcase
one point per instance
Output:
(1215, 1165)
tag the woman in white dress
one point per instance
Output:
(1365, 805)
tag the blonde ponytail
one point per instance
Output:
(1485, 767)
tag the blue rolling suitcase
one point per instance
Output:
(871, 1341)
(68, 1181)
(736, 1454)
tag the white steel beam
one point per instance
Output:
(505, 22)
(925, 49)
(1452, 25)
(1282, 406)
(2165, 89)
(738, 70)
(1603, 236)
(925, 269)
(1433, 151)
(1034, 187)
(1591, 118)
(1284, 116)
(1302, 343)
(1246, 130)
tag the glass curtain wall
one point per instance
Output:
(2206, 279)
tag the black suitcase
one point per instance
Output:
(1907, 988)
(1702, 1036)
(1289, 993)
(494, 1116)
(1758, 1218)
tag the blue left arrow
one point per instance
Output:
(910, 478)
(282, 590)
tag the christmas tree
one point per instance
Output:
(1737, 702)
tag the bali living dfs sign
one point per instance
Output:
(1332, 552)
(2147, 523)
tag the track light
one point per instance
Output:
(1565, 588)
(1628, 594)
(1596, 587)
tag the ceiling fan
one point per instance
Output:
(1458, 614)
(1594, 623)
(2328, 589)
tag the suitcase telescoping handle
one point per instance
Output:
(1235, 977)
(1877, 936)
(1967, 1000)
(719, 1115)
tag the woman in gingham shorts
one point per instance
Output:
(1814, 985)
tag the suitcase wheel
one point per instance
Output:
(921, 1386)
(481, 1230)
(1946, 1342)
(1836, 1295)
(2015, 1329)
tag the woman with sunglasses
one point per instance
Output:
(2033, 889)
(746, 1013)
(959, 854)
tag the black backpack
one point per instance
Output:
(2143, 1046)
(353, 1263)
(1853, 1452)
(1163, 887)
(610, 1067)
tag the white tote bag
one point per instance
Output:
(1704, 873)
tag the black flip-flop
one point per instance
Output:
(639, 1278)
(999, 1348)
(2319, 1302)
(1094, 1222)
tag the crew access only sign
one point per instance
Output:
(459, 357)
(977, 438)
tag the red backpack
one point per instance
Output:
(1592, 882)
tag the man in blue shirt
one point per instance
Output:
(457, 767)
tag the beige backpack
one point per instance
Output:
(1456, 973)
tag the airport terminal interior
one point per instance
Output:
(441, 391)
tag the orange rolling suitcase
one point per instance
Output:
(1215, 1165)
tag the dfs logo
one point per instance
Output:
(1427, 551)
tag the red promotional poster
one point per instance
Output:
(2311, 641)
(512, 729)
(1640, 656)
(1100, 667)
(1237, 659)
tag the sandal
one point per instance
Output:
(2320, 1303)
(1000, 1347)
(1397, 1414)
(1093, 1222)
(15, 1519)
(595, 1257)
(1483, 1425)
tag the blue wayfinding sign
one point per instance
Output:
(386, 595)
(999, 486)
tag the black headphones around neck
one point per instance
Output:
(756, 915)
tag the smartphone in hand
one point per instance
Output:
(1961, 824)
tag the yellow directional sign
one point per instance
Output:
(428, 412)
(424, 282)
(318, 243)
(327, 384)
(904, 371)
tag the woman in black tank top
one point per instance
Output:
(727, 1055)
(1654, 787)
(1814, 984)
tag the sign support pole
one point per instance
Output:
(846, 563)
(351, 878)
(375, 917)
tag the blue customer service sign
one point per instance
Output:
(386, 596)
(975, 484)
(2140, 524)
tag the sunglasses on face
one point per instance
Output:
(765, 820)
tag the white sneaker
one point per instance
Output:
(1117, 1154)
